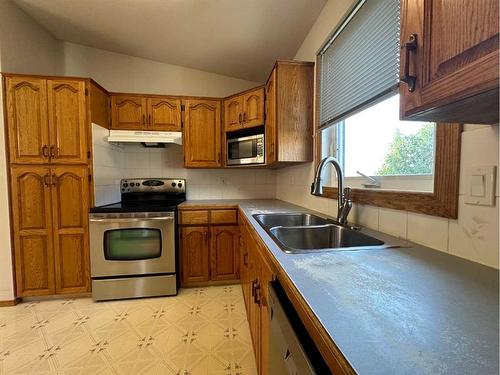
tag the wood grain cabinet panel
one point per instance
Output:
(224, 252)
(270, 122)
(454, 60)
(202, 134)
(32, 225)
(195, 217)
(164, 114)
(128, 112)
(253, 108)
(195, 247)
(70, 212)
(28, 131)
(67, 121)
(223, 216)
(233, 113)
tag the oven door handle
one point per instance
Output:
(131, 219)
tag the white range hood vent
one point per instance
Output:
(146, 138)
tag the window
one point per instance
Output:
(404, 165)
(394, 154)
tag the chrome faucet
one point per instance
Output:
(344, 195)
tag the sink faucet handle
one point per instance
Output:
(347, 193)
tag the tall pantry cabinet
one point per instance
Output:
(49, 163)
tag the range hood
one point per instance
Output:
(146, 138)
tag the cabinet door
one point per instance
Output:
(455, 60)
(128, 112)
(271, 124)
(253, 108)
(70, 207)
(202, 134)
(32, 230)
(28, 131)
(233, 113)
(164, 114)
(195, 254)
(224, 252)
(67, 121)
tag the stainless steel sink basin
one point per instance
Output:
(289, 220)
(324, 237)
(304, 233)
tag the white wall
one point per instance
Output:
(25, 47)
(121, 73)
(473, 236)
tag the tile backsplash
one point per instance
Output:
(113, 162)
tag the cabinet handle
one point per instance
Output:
(256, 297)
(45, 151)
(245, 259)
(206, 236)
(46, 180)
(218, 157)
(410, 45)
(149, 116)
(52, 151)
(53, 179)
(244, 117)
(143, 119)
(239, 117)
(254, 284)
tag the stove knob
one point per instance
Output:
(123, 189)
(137, 184)
(125, 184)
(179, 185)
(173, 184)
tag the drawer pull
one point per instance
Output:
(409, 46)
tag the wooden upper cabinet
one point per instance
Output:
(289, 118)
(164, 114)
(202, 134)
(32, 226)
(270, 124)
(128, 112)
(28, 131)
(454, 59)
(253, 108)
(67, 121)
(245, 110)
(195, 253)
(233, 113)
(224, 252)
(70, 228)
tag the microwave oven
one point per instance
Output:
(245, 150)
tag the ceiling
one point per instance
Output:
(237, 38)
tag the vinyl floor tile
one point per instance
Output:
(201, 331)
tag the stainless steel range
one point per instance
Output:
(133, 243)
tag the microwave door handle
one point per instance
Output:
(130, 220)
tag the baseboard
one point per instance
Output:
(11, 302)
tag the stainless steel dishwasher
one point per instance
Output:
(286, 353)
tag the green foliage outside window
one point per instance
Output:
(411, 154)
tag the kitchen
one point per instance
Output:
(165, 209)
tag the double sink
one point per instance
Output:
(304, 233)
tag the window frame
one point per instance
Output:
(442, 202)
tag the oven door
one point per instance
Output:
(245, 150)
(132, 244)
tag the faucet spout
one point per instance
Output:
(344, 202)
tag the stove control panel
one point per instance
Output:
(153, 185)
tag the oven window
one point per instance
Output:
(132, 244)
(243, 149)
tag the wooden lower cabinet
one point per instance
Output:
(195, 247)
(209, 253)
(255, 278)
(224, 257)
(50, 229)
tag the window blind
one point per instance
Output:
(360, 63)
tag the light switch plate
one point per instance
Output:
(480, 185)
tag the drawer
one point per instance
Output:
(223, 216)
(194, 217)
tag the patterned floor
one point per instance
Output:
(201, 331)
